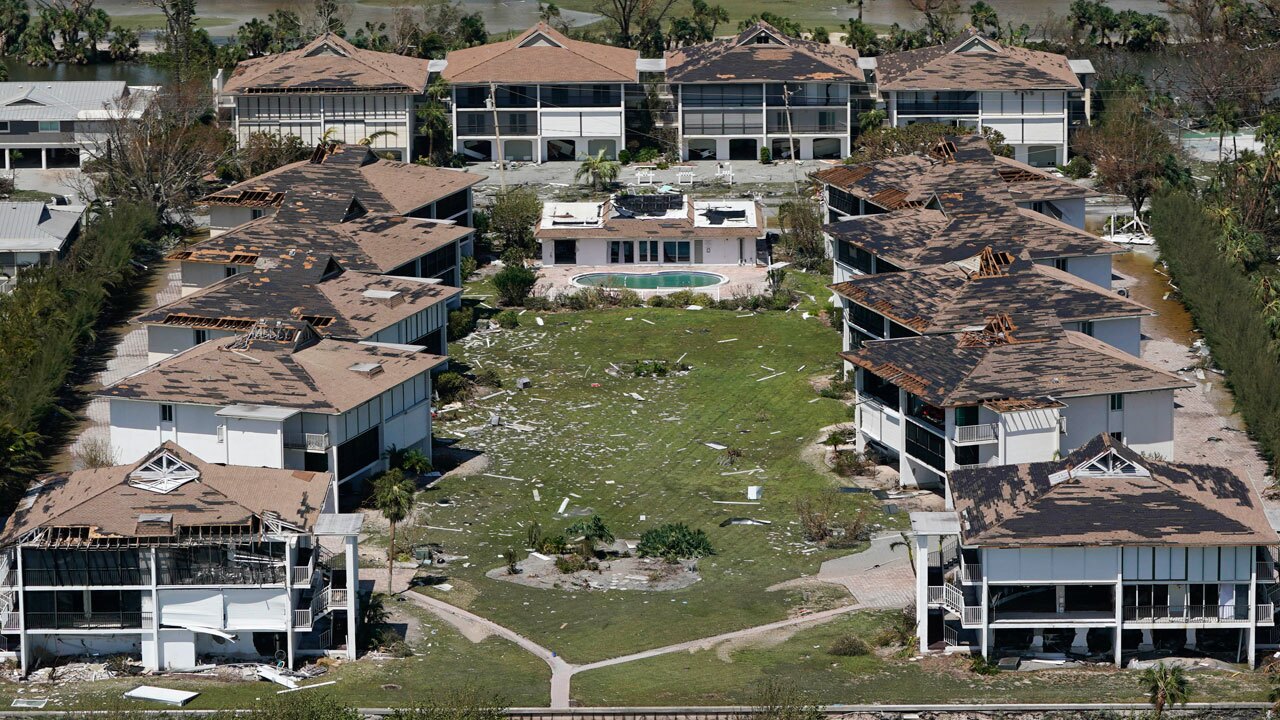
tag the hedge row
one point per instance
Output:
(1218, 297)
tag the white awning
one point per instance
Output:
(256, 412)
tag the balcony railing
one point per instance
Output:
(952, 598)
(11, 621)
(940, 108)
(302, 575)
(977, 434)
(311, 442)
(723, 128)
(302, 619)
(75, 621)
(1265, 613)
(806, 128)
(1266, 571)
(1186, 613)
(970, 572)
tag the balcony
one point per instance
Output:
(970, 573)
(1266, 571)
(311, 442)
(301, 575)
(938, 108)
(723, 128)
(1187, 613)
(85, 621)
(979, 434)
(807, 128)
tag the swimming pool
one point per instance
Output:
(650, 281)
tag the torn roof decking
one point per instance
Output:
(994, 67)
(954, 296)
(742, 59)
(332, 177)
(103, 502)
(316, 376)
(338, 302)
(1066, 503)
(1041, 361)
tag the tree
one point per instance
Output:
(124, 44)
(373, 36)
(1166, 685)
(433, 116)
(939, 19)
(514, 283)
(599, 171)
(802, 237)
(630, 17)
(264, 151)
(863, 37)
(157, 153)
(593, 531)
(14, 17)
(255, 37)
(1127, 150)
(514, 214)
(64, 30)
(393, 493)
(871, 120)
(784, 24)
(184, 53)
(985, 19)
(327, 16)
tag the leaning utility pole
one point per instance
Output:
(497, 135)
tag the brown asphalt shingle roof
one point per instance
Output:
(1045, 361)
(565, 60)
(1060, 503)
(940, 67)
(103, 501)
(329, 64)
(299, 373)
(381, 186)
(951, 297)
(740, 59)
(299, 288)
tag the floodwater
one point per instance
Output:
(1172, 321)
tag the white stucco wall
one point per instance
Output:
(196, 275)
(222, 218)
(1076, 564)
(1145, 423)
(715, 251)
(136, 430)
(1096, 269)
(1029, 436)
(166, 340)
(1122, 333)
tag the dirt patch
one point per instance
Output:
(762, 641)
(646, 574)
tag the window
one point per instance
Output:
(166, 413)
(230, 270)
(1117, 436)
(621, 251)
(675, 251)
(1086, 327)
(1060, 264)
(50, 126)
(1117, 401)
(648, 251)
(1042, 155)
(256, 213)
(966, 415)
(199, 336)
(4, 127)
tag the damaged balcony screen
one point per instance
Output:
(246, 564)
(55, 568)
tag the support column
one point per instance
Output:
(44, 158)
(290, 551)
(986, 618)
(1147, 642)
(353, 593)
(922, 591)
(24, 650)
(155, 612)
(1119, 627)
(1037, 640)
(6, 159)
(1080, 644)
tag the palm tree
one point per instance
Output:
(1166, 685)
(598, 170)
(393, 497)
(432, 116)
(593, 531)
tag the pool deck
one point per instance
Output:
(741, 280)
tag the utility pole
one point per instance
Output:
(791, 140)
(497, 134)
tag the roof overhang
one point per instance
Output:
(256, 412)
(935, 523)
(339, 524)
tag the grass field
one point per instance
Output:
(155, 21)
(639, 464)
(732, 676)
(806, 12)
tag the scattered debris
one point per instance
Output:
(33, 703)
(768, 377)
(727, 341)
(279, 677)
(648, 321)
(162, 695)
(307, 687)
(754, 492)
(744, 521)
(563, 505)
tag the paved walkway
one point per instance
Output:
(879, 577)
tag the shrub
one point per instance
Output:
(510, 557)
(827, 519)
(901, 630)
(624, 157)
(851, 463)
(451, 386)
(552, 545)
(646, 155)
(513, 216)
(468, 267)
(584, 299)
(657, 301)
(849, 646)
(410, 460)
(538, 303)
(685, 298)
(983, 666)
(488, 377)
(674, 541)
(508, 319)
(627, 298)
(568, 564)
(840, 387)
(461, 322)
(514, 283)
(1078, 169)
(650, 368)
(766, 156)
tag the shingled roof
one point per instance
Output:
(279, 364)
(105, 505)
(960, 295)
(762, 53)
(1105, 493)
(338, 303)
(1026, 358)
(341, 172)
(329, 64)
(542, 54)
(373, 244)
(967, 163)
(975, 62)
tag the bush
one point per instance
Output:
(451, 386)
(624, 157)
(568, 564)
(766, 156)
(508, 319)
(1078, 168)
(657, 301)
(488, 377)
(851, 463)
(646, 155)
(588, 298)
(685, 298)
(627, 298)
(461, 322)
(827, 519)
(514, 283)
(901, 630)
(538, 303)
(674, 541)
(650, 368)
(513, 216)
(983, 666)
(468, 267)
(411, 460)
(849, 646)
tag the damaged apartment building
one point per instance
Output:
(178, 561)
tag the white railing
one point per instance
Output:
(950, 636)
(952, 598)
(972, 615)
(1265, 614)
(311, 442)
(302, 618)
(971, 572)
(302, 575)
(974, 434)
(1266, 571)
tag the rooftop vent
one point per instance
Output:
(367, 369)
(154, 525)
(390, 298)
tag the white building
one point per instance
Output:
(978, 83)
(762, 89)
(962, 163)
(336, 175)
(51, 124)
(279, 396)
(1018, 390)
(338, 303)
(33, 234)
(959, 296)
(177, 561)
(1100, 555)
(331, 87)
(539, 97)
(661, 229)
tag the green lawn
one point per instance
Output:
(806, 12)
(155, 21)
(721, 676)
(639, 464)
(444, 659)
